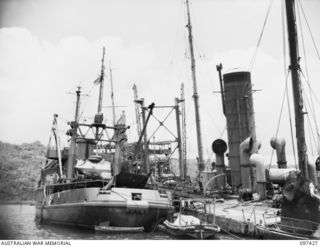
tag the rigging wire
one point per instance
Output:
(312, 112)
(311, 104)
(280, 115)
(310, 132)
(303, 44)
(202, 58)
(176, 36)
(314, 116)
(305, 18)
(310, 126)
(260, 38)
(284, 39)
(291, 129)
(310, 88)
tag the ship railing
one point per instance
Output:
(296, 226)
(291, 224)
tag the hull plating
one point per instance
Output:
(87, 207)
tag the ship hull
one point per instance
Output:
(90, 207)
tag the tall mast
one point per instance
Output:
(72, 148)
(296, 86)
(101, 82)
(137, 108)
(195, 91)
(184, 132)
(112, 97)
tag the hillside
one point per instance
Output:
(20, 169)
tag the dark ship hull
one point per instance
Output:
(90, 207)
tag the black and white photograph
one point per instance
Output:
(159, 120)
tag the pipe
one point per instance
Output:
(219, 147)
(278, 176)
(312, 173)
(248, 147)
(312, 194)
(258, 162)
(245, 163)
(279, 144)
(210, 180)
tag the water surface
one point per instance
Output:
(18, 222)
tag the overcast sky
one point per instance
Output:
(49, 47)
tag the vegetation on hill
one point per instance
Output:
(20, 167)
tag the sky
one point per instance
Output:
(48, 48)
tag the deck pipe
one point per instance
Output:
(248, 147)
(278, 176)
(312, 173)
(279, 144)
(219, 147)
(258, 162)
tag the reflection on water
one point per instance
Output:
(18, 222)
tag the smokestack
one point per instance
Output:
(219, 147)
(279, 144)
(240, 117)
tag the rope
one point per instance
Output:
(284, 39)
(280, 115)
(309, 86)
(310, 135)
(303, 44)
(291, 129)
(260, 38)
(313, 112)
(305, 18)
(309, 122)
(176, 33)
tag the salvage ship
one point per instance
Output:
(93, 182)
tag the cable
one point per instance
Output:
(291, 129)
(280, 115)
(305, 18)
(284, 39)
(260, 38)
(309, 122)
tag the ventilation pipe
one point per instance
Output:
(247, 147)
(278, 176)
(279, 144)
(312, 173)
(258, 162)
(219, 147)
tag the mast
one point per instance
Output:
(137, 103)
(72, 148)
(98, 118)
(184, 132)
(296, 86)
(101, 82)
(145, 136)
(195, 92)
(56, 138)
(112, 97)
(219, 68)
(179, 139)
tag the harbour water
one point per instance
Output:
(18, 222)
